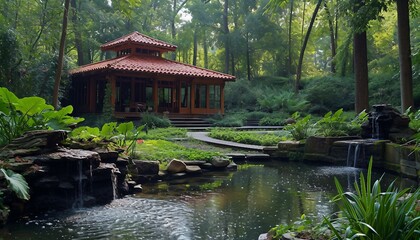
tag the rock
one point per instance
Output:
(207, 166)
(147, 167)
(64, 154)
(220, 162)
(258, 157)
(39, 138)
(198, 163)
(137, 189)
(107, 156)
(193, 169)
(176, 166)
(232, 167)
(66, 185)
(289, 121)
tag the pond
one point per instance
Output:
(225, 205)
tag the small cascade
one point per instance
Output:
(114, 185)
(78, 203)
(353, 154)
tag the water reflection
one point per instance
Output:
(225, 205)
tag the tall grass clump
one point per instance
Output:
(371, 213)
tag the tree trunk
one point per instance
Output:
(332, 37)
(404, 47)
(226, 34)
(361, 72)
(305, 42)
(248, 58)
(289, 60)
(77, 34)
(195, 49)
(206, 51)
(60, 55)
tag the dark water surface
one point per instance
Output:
(238, 205)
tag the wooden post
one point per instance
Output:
(92, 95)
(192, 100)
(155, 96)
(208, 98)
(222, 98)
(113, 91)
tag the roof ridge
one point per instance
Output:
(201, 68)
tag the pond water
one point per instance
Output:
(235, 205)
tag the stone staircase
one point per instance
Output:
(190, 123)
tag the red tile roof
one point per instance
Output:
(151, 64)
(138, 38)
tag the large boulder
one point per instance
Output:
(147, 167)
(219, 162)
(176, 166)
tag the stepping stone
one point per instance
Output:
(257, 157)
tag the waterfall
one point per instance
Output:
(353, 153)
(114, 185)
(78, 203)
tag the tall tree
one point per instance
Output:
(404, 47)
(60, 55)
(305, 42)
(225, 29)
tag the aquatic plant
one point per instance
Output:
(371, 213)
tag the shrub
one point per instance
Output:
(231, 120)
(164, 133)
(19, 115)
(165, 151)
(328, 92)
(284, 101)
(151, 120)
(266, 139)
(276, 119)
(302, 128)
(371, 213)
(337, 124)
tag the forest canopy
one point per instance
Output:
(255, 40)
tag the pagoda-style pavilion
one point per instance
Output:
(142, 80)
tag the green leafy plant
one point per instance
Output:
(164, 133)
(262, 139)
(123, 135)
(19, 115)
(371, 213)
(151, 121)
(302, 128)
(304, 228)
(338, 124)
(164, 151)
(16, 183)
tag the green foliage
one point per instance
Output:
(10, 58)
(371, 213)
(414, 119)
(302, 128)
(262, 139)
(327, 92)
(337, 124)
(151, 120)
(273, 120)
(303, 227)
(229, 120)
(164, 151)
(163, 133)
(16, 183)
(285, 101)
(123, 135)
(19, 115)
